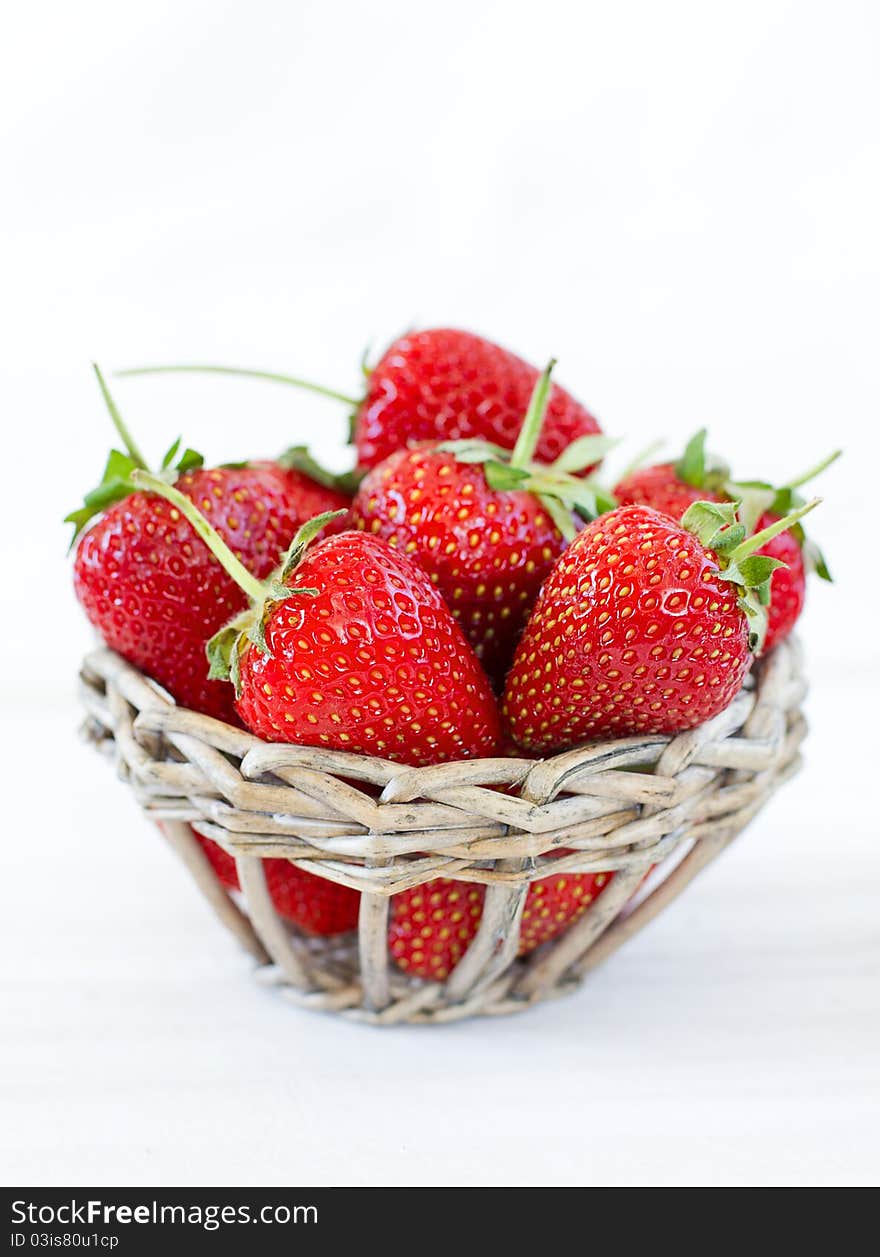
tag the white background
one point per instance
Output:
(680, 201)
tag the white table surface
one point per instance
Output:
(735, 1041)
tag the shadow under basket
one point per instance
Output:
(640, 803)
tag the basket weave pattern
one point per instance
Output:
(381, 828)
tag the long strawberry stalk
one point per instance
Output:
(251, 373)
(814, 471)
(116, 481)
(119, 423)
(212, 539)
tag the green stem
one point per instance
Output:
(118, 422)
(298, 458)
(815, 471)
(759, 539)
(526, 442)
(247, 372)
(218, 547)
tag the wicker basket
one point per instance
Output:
(381, 828)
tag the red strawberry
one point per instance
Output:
(152, 589)
(673, 487)
(318, 488)
(642, 627)
(487, 530)
(311, 497)
(486, 551)
(662, 488)
(313, 903)
(433, 925)
(362, 655)
(440, 385)
(444, 384)
(788, 584)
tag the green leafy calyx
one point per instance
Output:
(697, 469)
(116, 482)
(561, 492)
(758, 497)
(754, 497)
(719, 527)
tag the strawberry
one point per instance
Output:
(361, 655)
(312, 498)
(644, 626)
(152, 589)
(315, 904)
(486, 527)
(673, 487)
(662, 488)
(788, 584)
(327, 490)
(442, 384)
(432, 925)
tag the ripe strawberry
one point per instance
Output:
(788, 584)
(363, 655)
(644, 626)
(673, 487)
(661, 488)
(433, 925)
(447, 385)
(442, 384)
(152, 589)
(314, 495)
(313, 903)
(487, 529)
(334, 489)
(311, 497)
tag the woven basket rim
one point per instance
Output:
(380, 827)
(373, 823)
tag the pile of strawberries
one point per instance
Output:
(471, 590)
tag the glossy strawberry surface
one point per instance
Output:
(444, 384)
(154, 591)
(486, 551)
(635, 631)
(373, 662)
(433, 925)
(313, 498)
(661, 488)
(312, 903)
